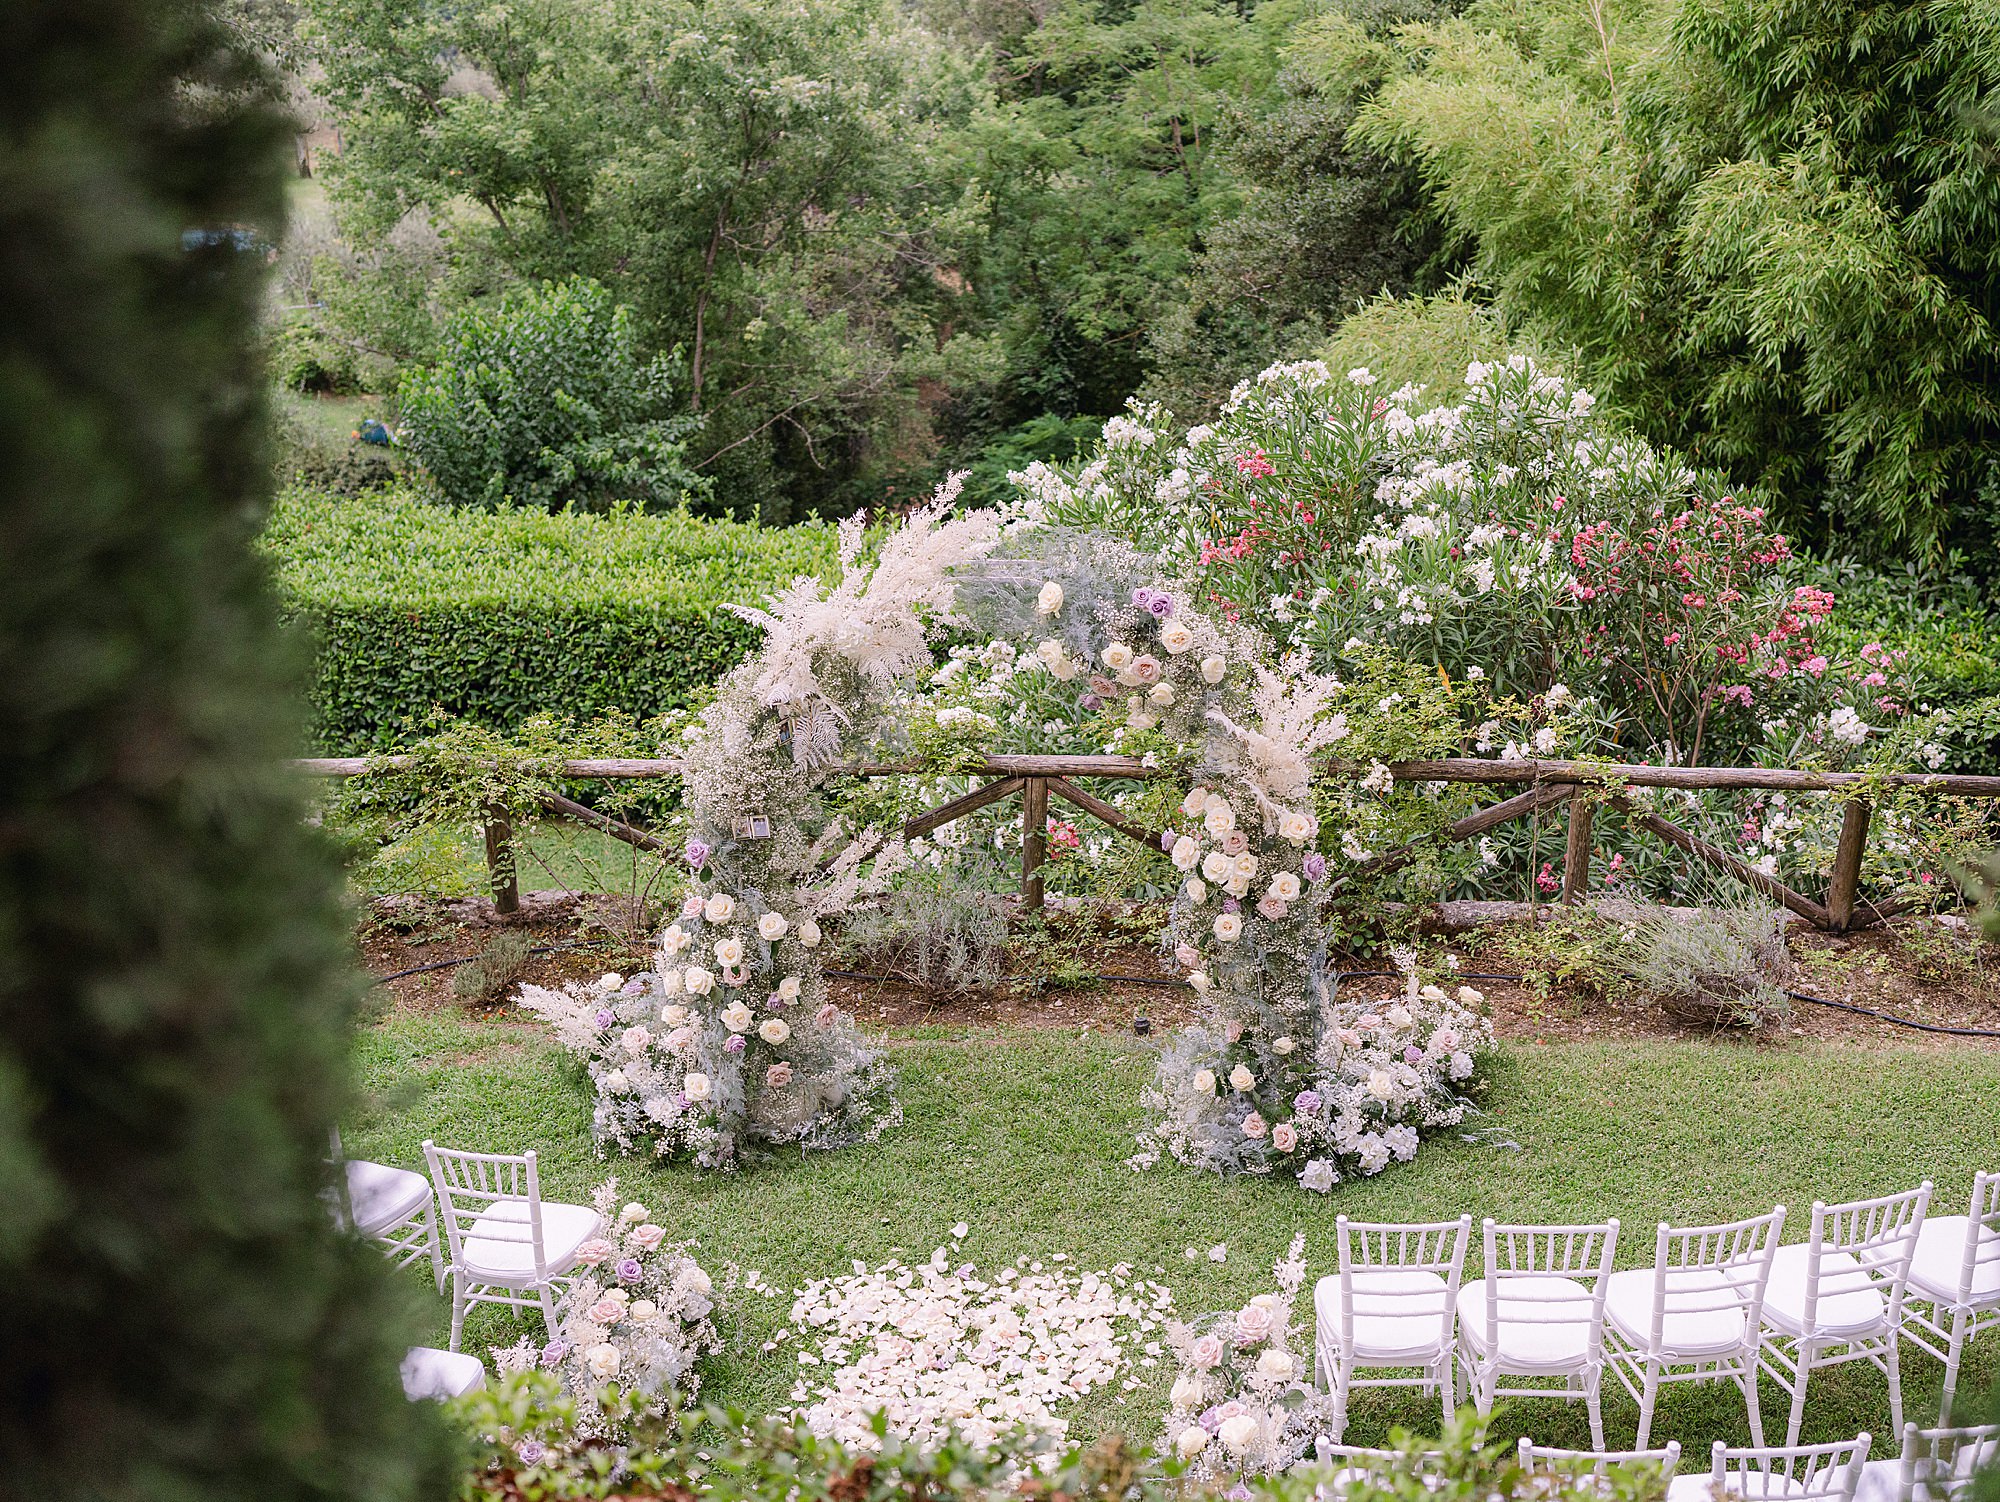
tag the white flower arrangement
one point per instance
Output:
(640, 1315)
(1243, 1403)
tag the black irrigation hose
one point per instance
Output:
(1922, 1027)
(467, 959)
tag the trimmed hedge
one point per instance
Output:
(495, 616)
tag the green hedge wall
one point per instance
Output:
(497, 616)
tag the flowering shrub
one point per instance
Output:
(639, 1316)
(1244, 1403)
(939, 1350)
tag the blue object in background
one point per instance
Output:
(372, 431)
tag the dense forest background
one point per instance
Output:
(861, 242)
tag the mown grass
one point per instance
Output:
(1024, 1135)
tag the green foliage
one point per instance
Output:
(544, 401)
(1769, 229)
(1428, 341)
(304, 357)
(182, 1321)
(489, 975)
(496, 617)
(303, 453)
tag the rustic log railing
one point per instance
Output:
(1579, 785)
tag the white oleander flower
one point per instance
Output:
(1050, 600)
(1228, 927)
(774, 1030)
(773, 926)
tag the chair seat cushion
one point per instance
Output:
(1544, 1322)
(1880, 1480)
(1940, 1259)
(493, 1258)
(1691, 1327)
(1400, 1314)
(383, 1196)
(1848, 1308)
(431, 1373)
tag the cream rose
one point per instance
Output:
(1191, 1442)
(1275, 1363)
(737, 1017)
(719, 908)
(1050, 600)
(1219, 819)
(1195, 802)
(1228, 927)
(729, 952)
(807, 933)
(1471, 998)
(636, 1039)
(644, 1309)
(788, 988)
(1204, 1082)
(1186, 1391)
(1176, 637)
(1381, 1084)
(1212, 669)
(1200, 981)
(671, 983)
(1239, 1434)
(1197, 891)
(699, 981)
(696, 1086)
(1215, 866)
(1285, 887)
(774, 1030)
(1245, 864)
(1118, 657)
(1240, 1078)
(1282, 1046)
(773, 927)
(611, 980)
(1161, 694)
(1297, 827)
(602, 1359)
(1146, 669)
(675, 939)
(673, 1016)
(1186, 851)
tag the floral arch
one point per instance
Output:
(731, 1041)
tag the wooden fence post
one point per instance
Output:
(1576, 848)
(1845, 879)
(500, 873)
(1034, 840)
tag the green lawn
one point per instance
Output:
(1024, 1135)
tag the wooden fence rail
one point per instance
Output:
(1035, 779)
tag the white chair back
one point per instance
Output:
(1521, 1259)
(1383, 1247)
(1703, 1270)
(1796, 1473)
(1940, 1465)
(469, 1185)
(1982, 1240)
(1546, 1463)
(1879, 1238)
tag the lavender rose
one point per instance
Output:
(1313, 866)
(1160, 606)
(735, 1044)
(697, 854)
(629, 1270)
(1306, 1102)
(605, 1017)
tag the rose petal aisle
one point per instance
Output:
(939, 1347)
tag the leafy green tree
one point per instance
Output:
(176, 991)
(544, 400)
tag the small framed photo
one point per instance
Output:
(753, 827)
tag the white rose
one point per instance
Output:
(695, 1086)
(1240, 1078)
(1239, 1434)
(808, 934)
(1296, 827)
(729, 952)
(1285, 887)
(1381, 1084)
(1238, 885)
(1187, 1391)
(1212, 669)
(633, 1213)
(772, 927)
(698, 1280)
(1398, 1016)
(1118, 657)
(1192, 1441)
(1219, 819)
(673, 1016)
(1161, 693)
(1228, 927)
(1204, 1082)
(788, 988)
(1197, 891)
(1050, 600)
(1186, 848)
(1245, 864)
(1469, 997)
(1051, 651)
(699, 981)
(615, 1080)
(1275, 1363)
(1215, 866)
(720, 908)
(671, 983)
(611, 980)
(675, 939)
(644, 1309)
(1176, 637)
(1282, 1046)
(774, 1030)
(1064, 668)
(737, 1017)
(602, 1359)
(1195, 802)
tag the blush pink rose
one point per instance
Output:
(1206, 1352)
(593, 1252)
(1284, 1138)
(1272, 909)
(778, 1076)
(1146, 669)
(606, 1312)
(650, 1236)
(826, 1014)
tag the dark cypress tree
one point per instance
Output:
(176, 1318)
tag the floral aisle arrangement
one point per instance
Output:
(639, 1316)
(943, 1349)
(1243, 1403)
